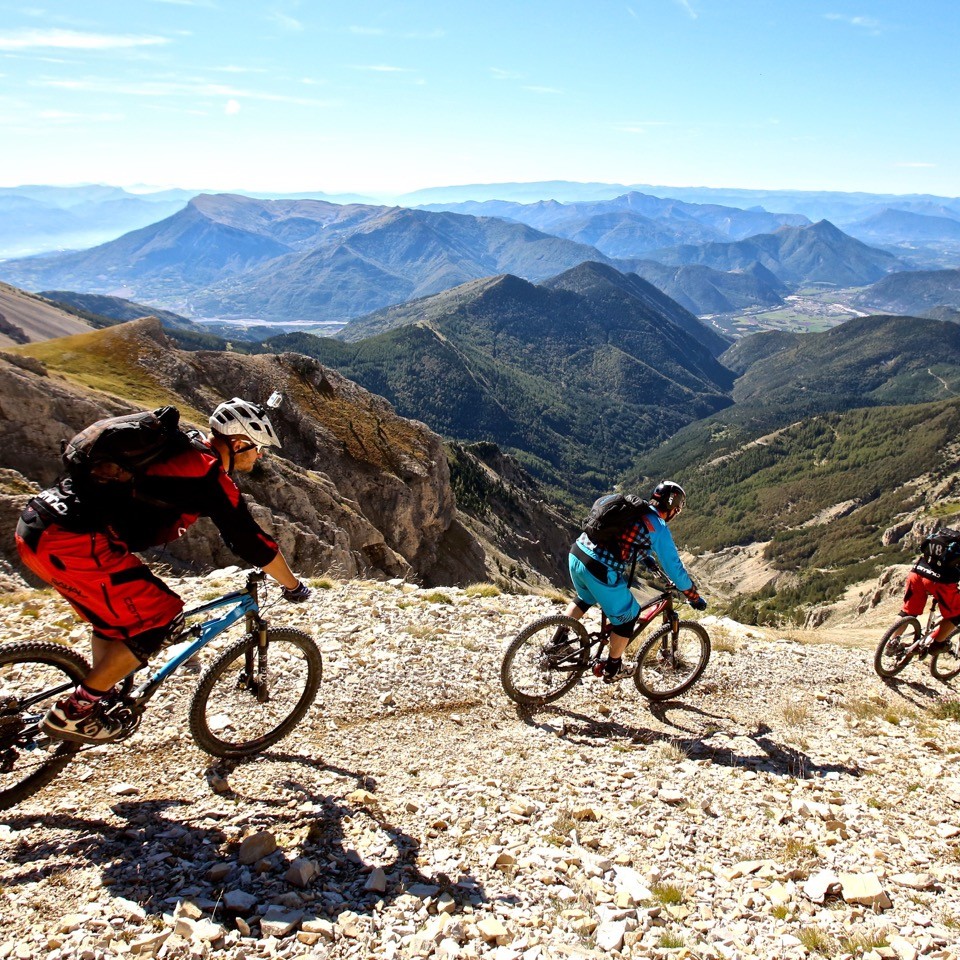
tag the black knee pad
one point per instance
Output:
(144, 645)
(626, 629)
(582, 605)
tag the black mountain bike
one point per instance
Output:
(251, 696)
(536, 669)
(907, 639)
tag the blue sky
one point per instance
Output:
(385, 97)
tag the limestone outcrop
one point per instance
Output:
(356, 489)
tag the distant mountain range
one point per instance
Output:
(288, 260)
(794, 255)
(574, 377)
(836, 206)
(41, 218)
(633, 224)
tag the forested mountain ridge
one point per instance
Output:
(589, 279)
(607, 285)
(913, 293)
(839, 447)
(571, 384)
(865, 361)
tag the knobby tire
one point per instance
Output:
(227, 717)
(660, 677)
(891, 656)
(531, 675)
(945, 665)
(29, 759)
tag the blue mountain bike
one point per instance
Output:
(250, 697)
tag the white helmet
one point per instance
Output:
(238, 417)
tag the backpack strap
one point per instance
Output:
(593, 565)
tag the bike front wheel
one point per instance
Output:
(897, 647)
(251, 697)
(668, 663)
(535, 670)
(33, 676)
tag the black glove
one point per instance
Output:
(298, 594)
(694, 599)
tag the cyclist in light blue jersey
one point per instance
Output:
(599, 572)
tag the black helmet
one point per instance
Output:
(668, 498)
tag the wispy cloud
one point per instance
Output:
(232, 107)
(641, 126)
(538, 89)
(687, 8)
(382, 68)
(499, 74)
(361, 31)
(189, 3)
(233, 68)
(74, 40)
(292, 24)
(171, 88)
(66, 116)
(870, 24)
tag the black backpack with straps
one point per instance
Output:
(113, 451)
(940, 556)
(611, 515)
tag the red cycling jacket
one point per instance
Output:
(170, 496)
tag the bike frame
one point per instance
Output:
(648, 613)
(243, 603)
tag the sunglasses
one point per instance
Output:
(250, 446)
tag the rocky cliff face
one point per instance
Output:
(355, 490)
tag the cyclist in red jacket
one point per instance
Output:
(84, 550)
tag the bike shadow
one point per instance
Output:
(766, 754)
(920, 694)
(351, 857)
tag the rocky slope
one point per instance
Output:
(25, 318)
(356, 489)
(790, 805)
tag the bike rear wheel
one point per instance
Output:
(250, 697)
(895, 649)
(945, 665)
(33, 676)
(534, 671)
(667, 666)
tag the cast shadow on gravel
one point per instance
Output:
(919, 693)
(170, 850)
(770, 757)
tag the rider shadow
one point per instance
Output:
(168, 851)
(776, 758)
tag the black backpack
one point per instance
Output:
(113, 451)
(941, 550)
(613, 514)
